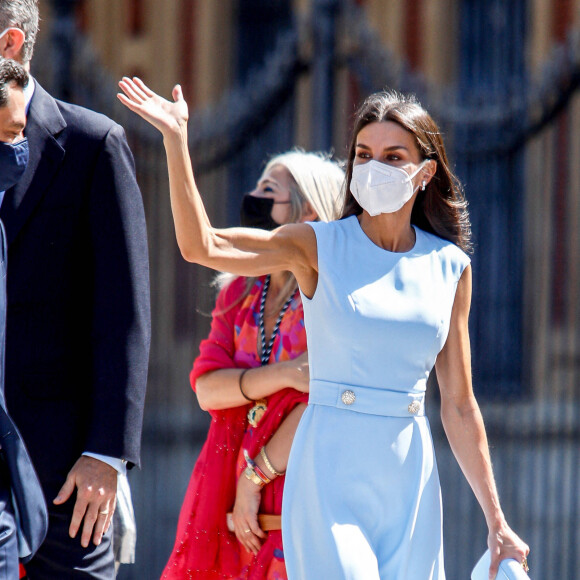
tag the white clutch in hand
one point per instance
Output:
(508, 569)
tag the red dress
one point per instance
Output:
(204, 548)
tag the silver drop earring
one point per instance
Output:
(423, 185)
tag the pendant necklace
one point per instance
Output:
(258, 410)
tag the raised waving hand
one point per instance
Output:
(164, 115)
(243, 251)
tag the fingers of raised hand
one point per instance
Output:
(177, 93)
(132, 90)
(145, 90)
(128, 102)
(137, 88)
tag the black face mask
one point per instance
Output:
(256, 212)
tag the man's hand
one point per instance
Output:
(96, 485)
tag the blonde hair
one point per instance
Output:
(317, 181)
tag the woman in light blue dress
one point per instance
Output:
(386, 294)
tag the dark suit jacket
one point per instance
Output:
(29, 501)
(78, 324)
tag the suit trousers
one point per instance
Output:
(61, 557)
(8, 535)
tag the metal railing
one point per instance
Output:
(516, 150)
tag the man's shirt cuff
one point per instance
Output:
(119, 464)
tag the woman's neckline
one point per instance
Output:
(358, 227)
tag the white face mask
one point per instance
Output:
(380, 188)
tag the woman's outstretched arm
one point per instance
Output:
(465, 430)
(244, 251)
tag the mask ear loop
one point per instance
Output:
(3, 33)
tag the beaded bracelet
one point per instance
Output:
(268, 464)
(240, 384)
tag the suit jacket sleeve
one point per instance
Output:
(121, 326)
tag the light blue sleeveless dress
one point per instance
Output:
(362, 498)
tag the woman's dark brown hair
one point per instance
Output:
(441, 209)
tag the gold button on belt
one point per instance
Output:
(414, 407)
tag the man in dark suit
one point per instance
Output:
(24, 518)
(78, 324)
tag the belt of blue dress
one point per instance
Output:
(373, 401)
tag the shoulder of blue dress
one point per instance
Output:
(342, 222)
(317, 225)
(324, 230)
(446, 249)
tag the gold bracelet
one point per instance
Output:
(268, 464)
(241, 389)
(251, 474)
